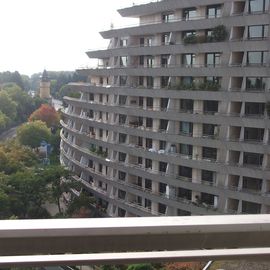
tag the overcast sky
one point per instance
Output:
(54, 34)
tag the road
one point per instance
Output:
(9, 134)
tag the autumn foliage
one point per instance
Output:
(184, 266)
(47, 114)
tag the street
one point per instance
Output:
(9, 134)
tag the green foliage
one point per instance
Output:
(31, 134)
(219, 33)
(83, 201)
(191, 39)
(146, 266)
(7, 105)
(14, 77)
(14, 158)
(25, 105)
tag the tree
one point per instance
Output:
(4, 121)
(47, 114)
(7, 105)
(28, 191)
(55, 176)
(145, 266)
(31, 134)
(25, 104)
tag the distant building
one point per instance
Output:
(45, 84)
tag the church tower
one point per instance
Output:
(45, 84)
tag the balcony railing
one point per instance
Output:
(133, 240)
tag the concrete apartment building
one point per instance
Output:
(175, 118)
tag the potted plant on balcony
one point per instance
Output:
(220, 33)
(191, 39)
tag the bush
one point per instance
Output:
(219, 33)
(191, 39)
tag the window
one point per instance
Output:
(255, 83)
(186, 105)
(162, 188)
(149, 122)
(212, 59)
(162, 208)
(167, 17)
(150, 61)
(186, 128)
(185, 171)
(139, 181)
(189, 14)
(148, 41)
(210, 106)
(162, 166)
(122, 100)
(163, 125)
(257, 31)
(100, 133)
(122, 119)
(123, 61)
(164, 81)
(213, 11)
(254, 134)
(165, 38)
(123, 43)
(149, 82)
(256, 58)
(208, 176)
(122, 175)
(209, 153)
(122, 157)
(141, 60)
(186, 149)
(254, 109)
(149, 102)
(187, 80)
(122, 137)
(148, 143)
(122, 80)
(142, 42)
(147, 204)
(164, 60)
(209, 130)
(148, 184)
(258, 5)
(253, 159)
(164, 104)
(148, 163)
(188, 60)
(140, 141)
(162, 145)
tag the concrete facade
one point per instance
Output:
(175, 118)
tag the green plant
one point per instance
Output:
(93, 149)
(219, 33)
(191, 39)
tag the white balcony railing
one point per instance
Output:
(133, 240)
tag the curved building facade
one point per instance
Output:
(175, 119)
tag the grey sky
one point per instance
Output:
(54, 34)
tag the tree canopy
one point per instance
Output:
(32, 133)
(47, 114)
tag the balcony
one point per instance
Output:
(123, 241)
